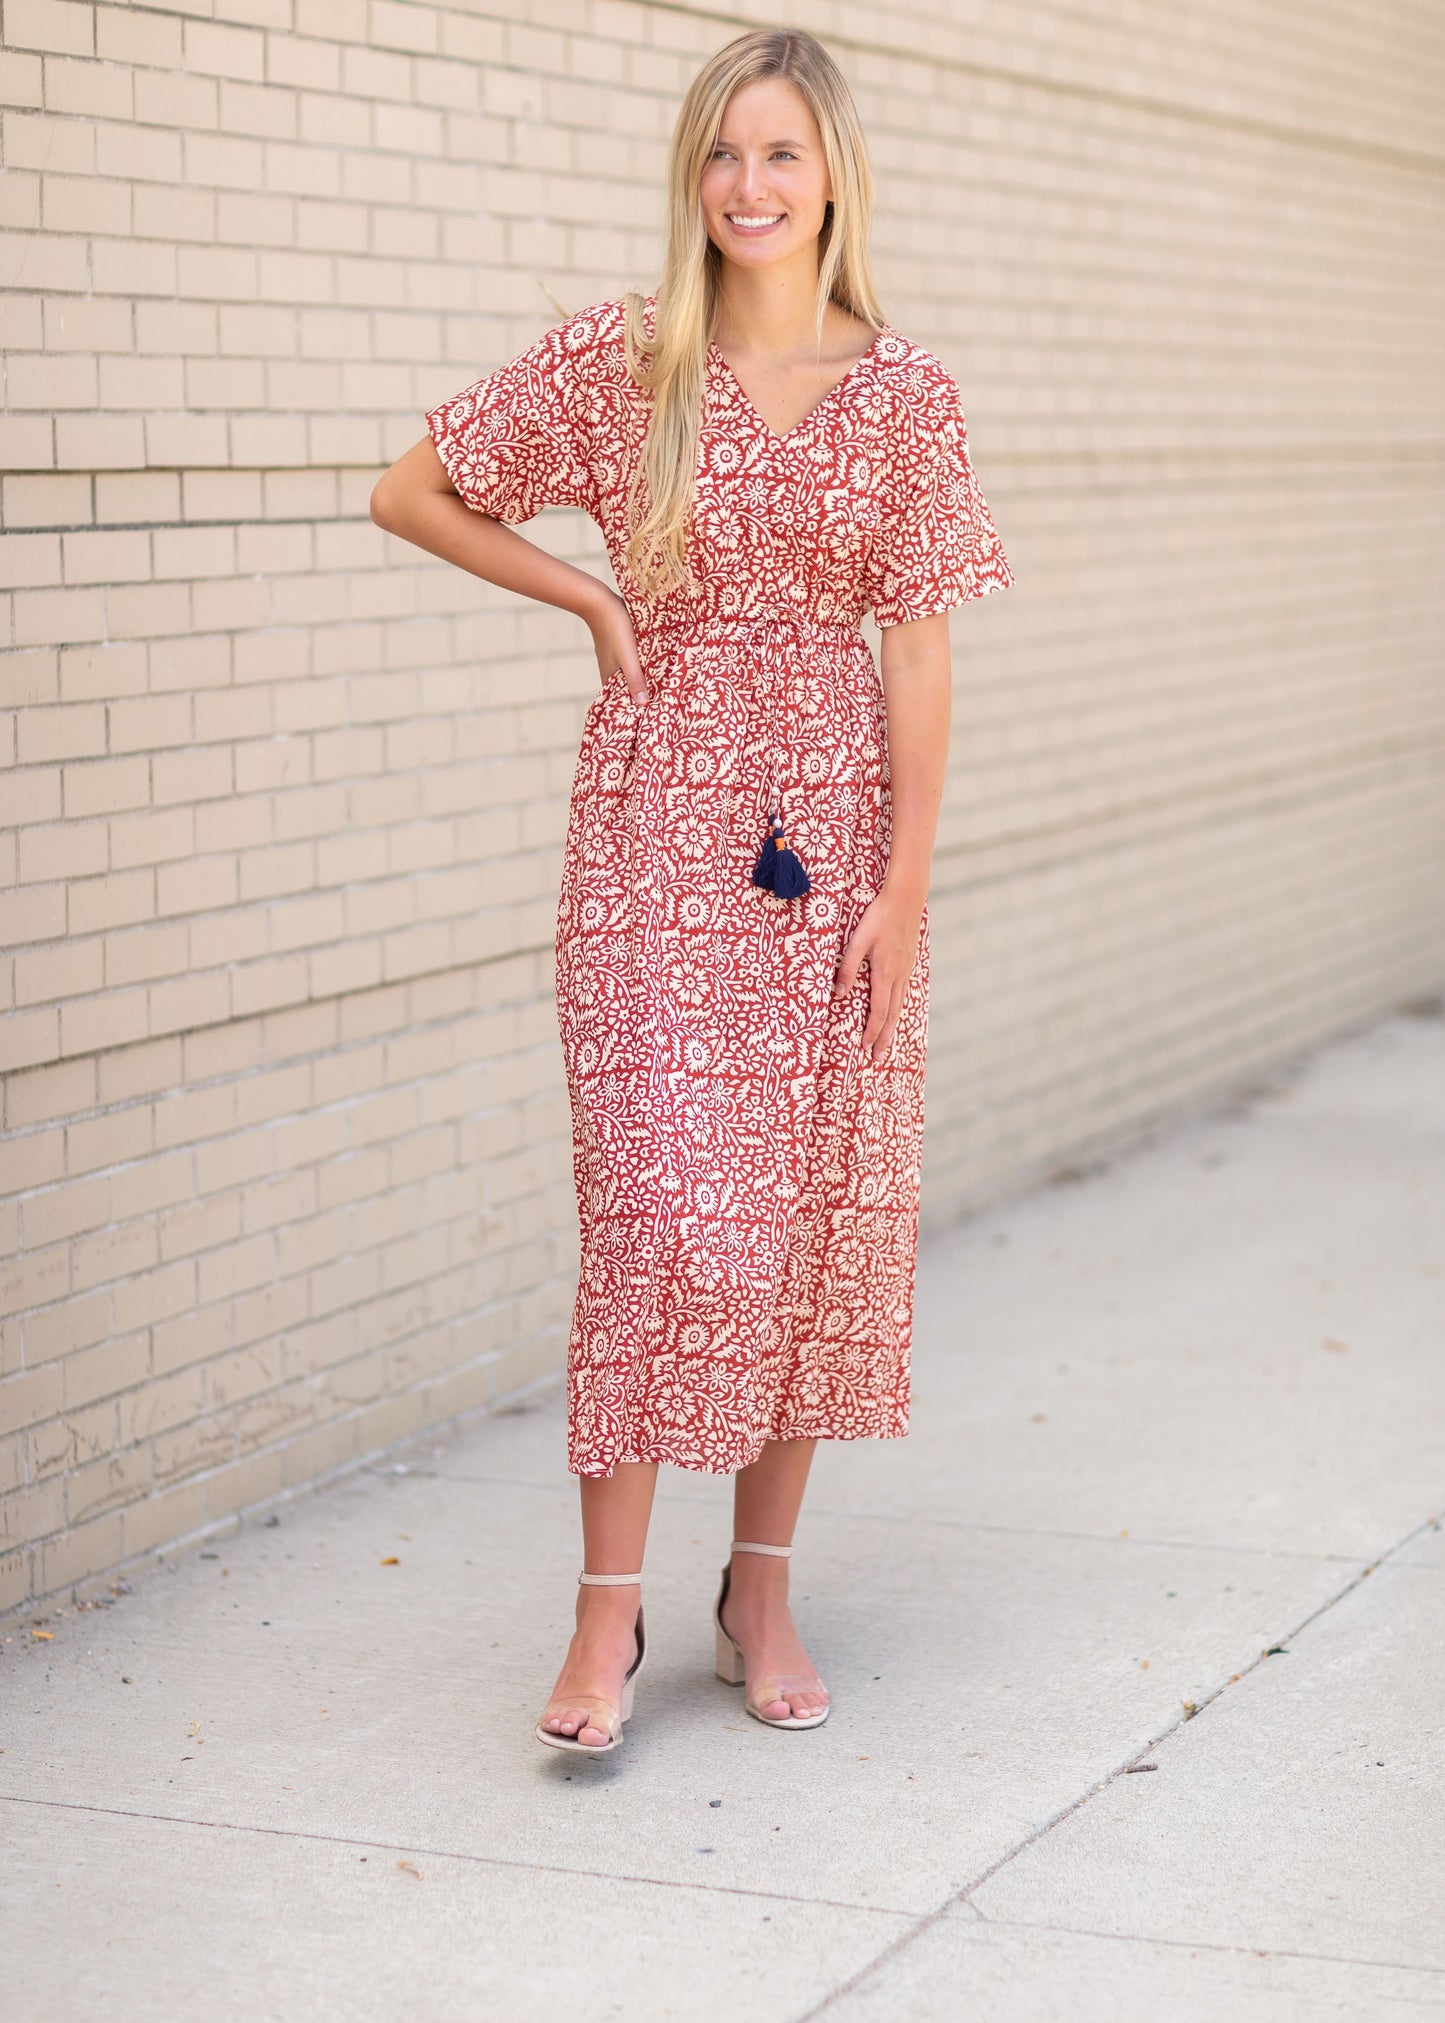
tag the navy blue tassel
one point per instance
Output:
(780, 869)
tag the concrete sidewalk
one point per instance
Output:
(1172, 1499)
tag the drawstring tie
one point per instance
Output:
(779, 869)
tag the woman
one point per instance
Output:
(742, 930)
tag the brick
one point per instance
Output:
(146, 609)
(152, 41)
(71, 731)
(27, 1038)
(118, 1364)
(150, 838)
(63, 146)
(193, 1226)
(136, 496)
(21, 79)
(73, 969)
(161, 1294)
(141, 953)
(90, 89)
(142, 154)
(85, 1548)
(51, 264)
(150, 723)
(31, 562)
(197, 885)
(45, 498)
(122, 1252)
(31, 796)
(163, 1405)
(111, 1019)
(202, 1443)
(162, 1517)
(42, 1093)
(100, 1141)
(64, 26)
(116, 901)
(270, 112)
(104, 1485)
(180, 1005)
(177, 100)
(34, 1395)
(86, 205)
(57, 618)
(269, 1310)
(128, 1072)
(106, 787)
(194, 1114)
(34, 1159)
(223, 51)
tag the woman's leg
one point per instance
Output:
(615, 1510)
(766, 1500)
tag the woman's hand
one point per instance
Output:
(886, 938)
(616, 644)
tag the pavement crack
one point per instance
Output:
(1209, 1945)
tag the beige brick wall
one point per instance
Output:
(286, 1167)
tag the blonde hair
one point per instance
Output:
(673, 361)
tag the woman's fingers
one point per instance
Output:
(885, 991)
(889, 970)
(849, 965)
(636, 682)
(882, 1015)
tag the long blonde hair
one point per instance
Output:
(688, 290)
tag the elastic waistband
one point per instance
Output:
(669, 625)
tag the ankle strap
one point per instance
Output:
(773, 1551)
(609, 1579)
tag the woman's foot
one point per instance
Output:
(602, 1651)
(757, 1618)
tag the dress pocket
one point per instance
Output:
(609, 744)
(614, 693)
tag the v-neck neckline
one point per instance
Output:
(813, 412)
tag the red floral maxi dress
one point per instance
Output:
(747, 1177)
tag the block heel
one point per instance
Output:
(600, 1713)
(728, 1659)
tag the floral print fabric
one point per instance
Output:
(747, 1179)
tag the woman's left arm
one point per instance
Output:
(918, 693)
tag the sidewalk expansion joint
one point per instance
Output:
(962, 1896)
(412, 1847)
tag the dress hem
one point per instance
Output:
(896, 1428)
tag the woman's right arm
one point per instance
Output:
(416, 501)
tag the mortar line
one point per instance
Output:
(963, 1894)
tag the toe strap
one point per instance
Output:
(609, 1715)
(779, 1687)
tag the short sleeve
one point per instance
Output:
(937, 545)
(512, 442)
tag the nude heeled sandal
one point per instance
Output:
(729, 1663)
(601, 1713)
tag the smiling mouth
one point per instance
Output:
(757, 224)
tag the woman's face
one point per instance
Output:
(766, 166)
